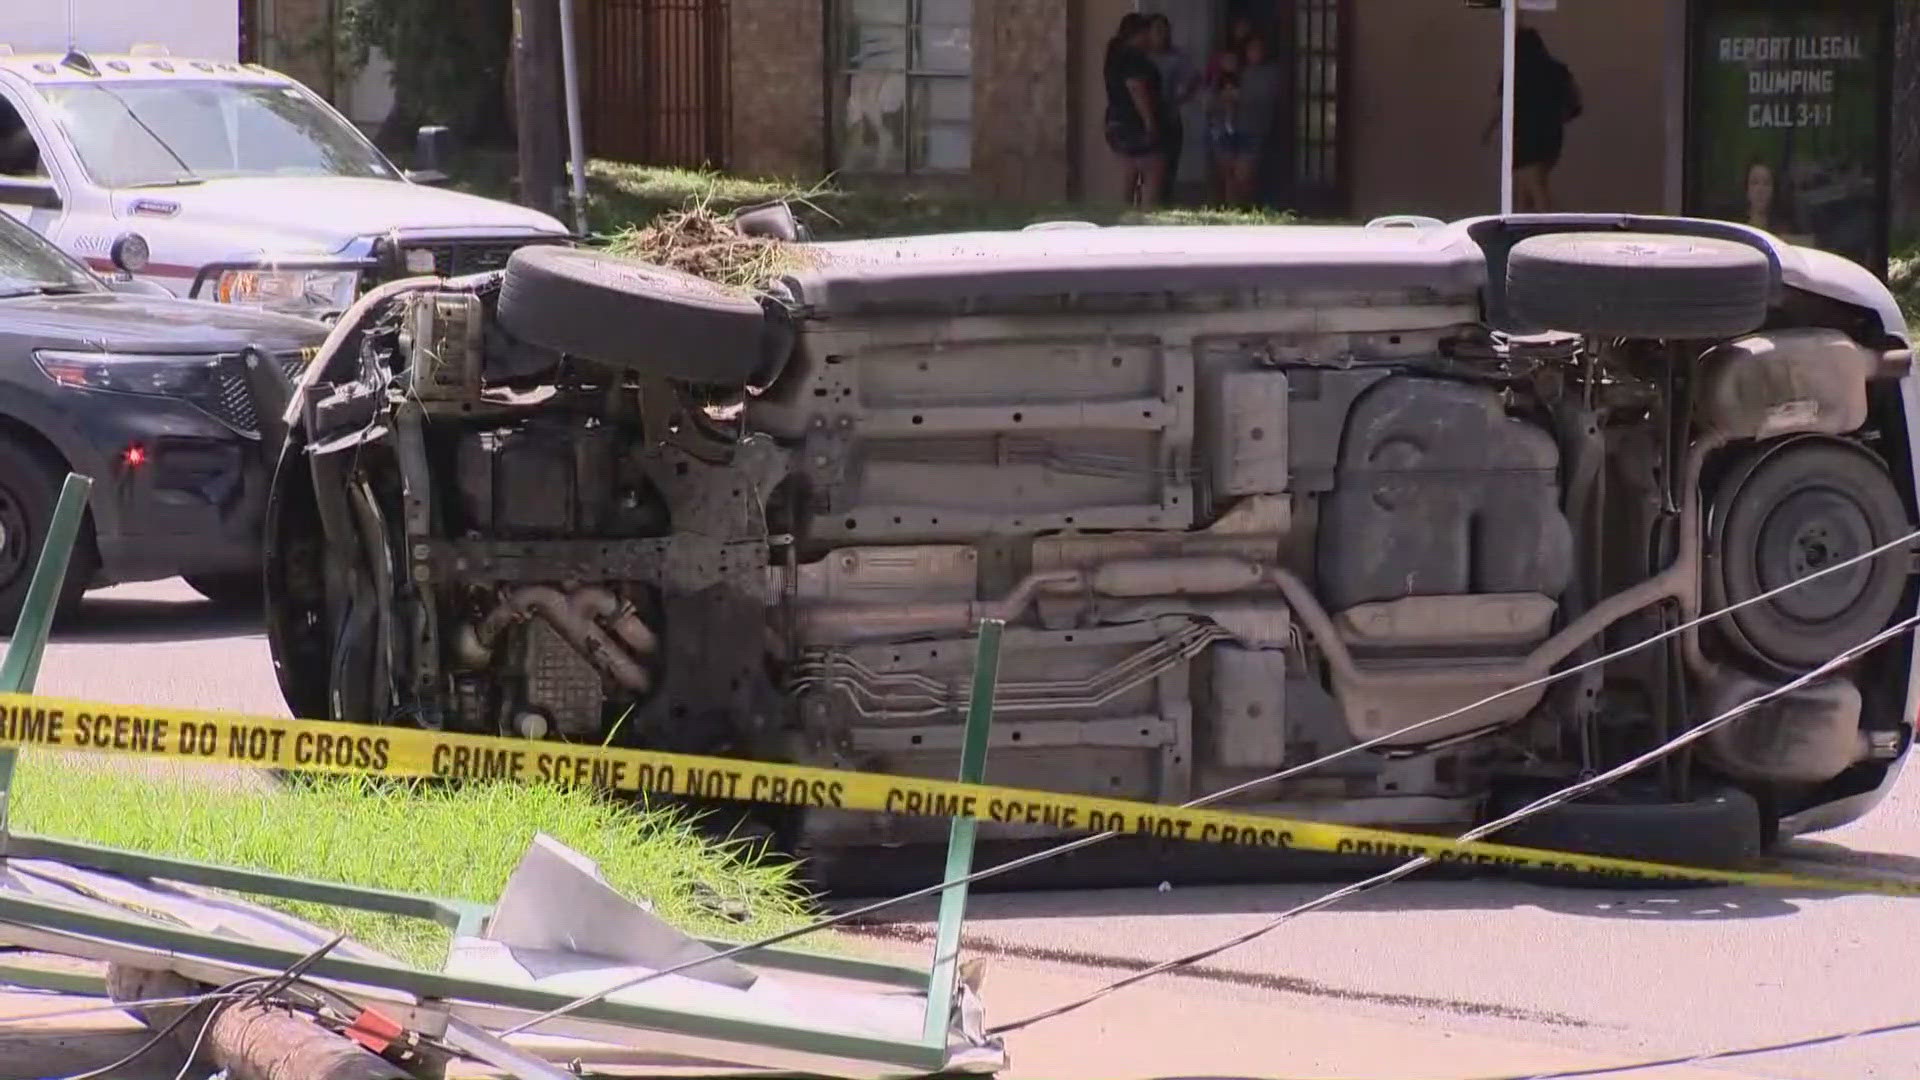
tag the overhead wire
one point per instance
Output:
(1089, 840)
(1478, 832)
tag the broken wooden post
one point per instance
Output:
(265, 1042)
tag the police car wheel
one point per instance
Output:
(1718, 828)
(1638, 285)
(30, 481)
(633, 316)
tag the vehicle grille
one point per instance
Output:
(232, 403)
(454, 258)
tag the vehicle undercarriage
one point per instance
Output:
(1237, 516)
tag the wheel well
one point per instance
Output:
(29, 437)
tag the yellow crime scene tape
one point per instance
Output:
(322, 746)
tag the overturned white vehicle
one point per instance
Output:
(1244, 495)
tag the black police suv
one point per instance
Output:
(150, 397)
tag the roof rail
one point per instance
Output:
(148, 48)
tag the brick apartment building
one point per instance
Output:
(1391, 97)
(1390, 106)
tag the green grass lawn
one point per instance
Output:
(455, 843)
(624, 197)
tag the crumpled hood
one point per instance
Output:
(322, 214)
(119, 323)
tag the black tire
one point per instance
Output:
(1787, 513)
(236, 591)
(1639, 285)
(1720, 828)
(634, 316)
(29, 489)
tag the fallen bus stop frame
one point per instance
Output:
(447, 1006)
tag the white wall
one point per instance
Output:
(369, 97)
(203, 29)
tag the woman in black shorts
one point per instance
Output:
(1545, 99)
(1135, 109)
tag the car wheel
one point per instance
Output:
(634, 316)
(29, 489)
(1719, 828)
(1639, 285)
(1792, 510)
(238, 591)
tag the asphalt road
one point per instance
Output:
(1616, 972)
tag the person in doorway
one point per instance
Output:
(1239, 30)
(1256, 106)
(1135, 109)
(1224, 143)
(1545, 100)
(1179, 83)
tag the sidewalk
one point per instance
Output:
(1156, 1031)
(1175, 1028)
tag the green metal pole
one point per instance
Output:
(29, 643)
(960, 837)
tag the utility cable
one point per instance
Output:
(119, 1006)
(1205, 800)
(219, 997)
(198, 1040)
(227, 992)
(1547, 802)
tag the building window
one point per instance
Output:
(1317, 50)
(903, 85)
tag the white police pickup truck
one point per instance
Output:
(229, 182)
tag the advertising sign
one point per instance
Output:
(1788, 120)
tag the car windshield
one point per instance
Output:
(160, 133)
(29, 265)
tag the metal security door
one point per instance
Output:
(656, 86)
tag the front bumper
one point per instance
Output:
(192, 503)
(180, 486)
(192, 508)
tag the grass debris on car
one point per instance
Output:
(701, 241)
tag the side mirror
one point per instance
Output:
(433, 146)
(774, 221)
(34, 193)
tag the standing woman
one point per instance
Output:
(1545, 100)
(1135, 107)
(1179, 83)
